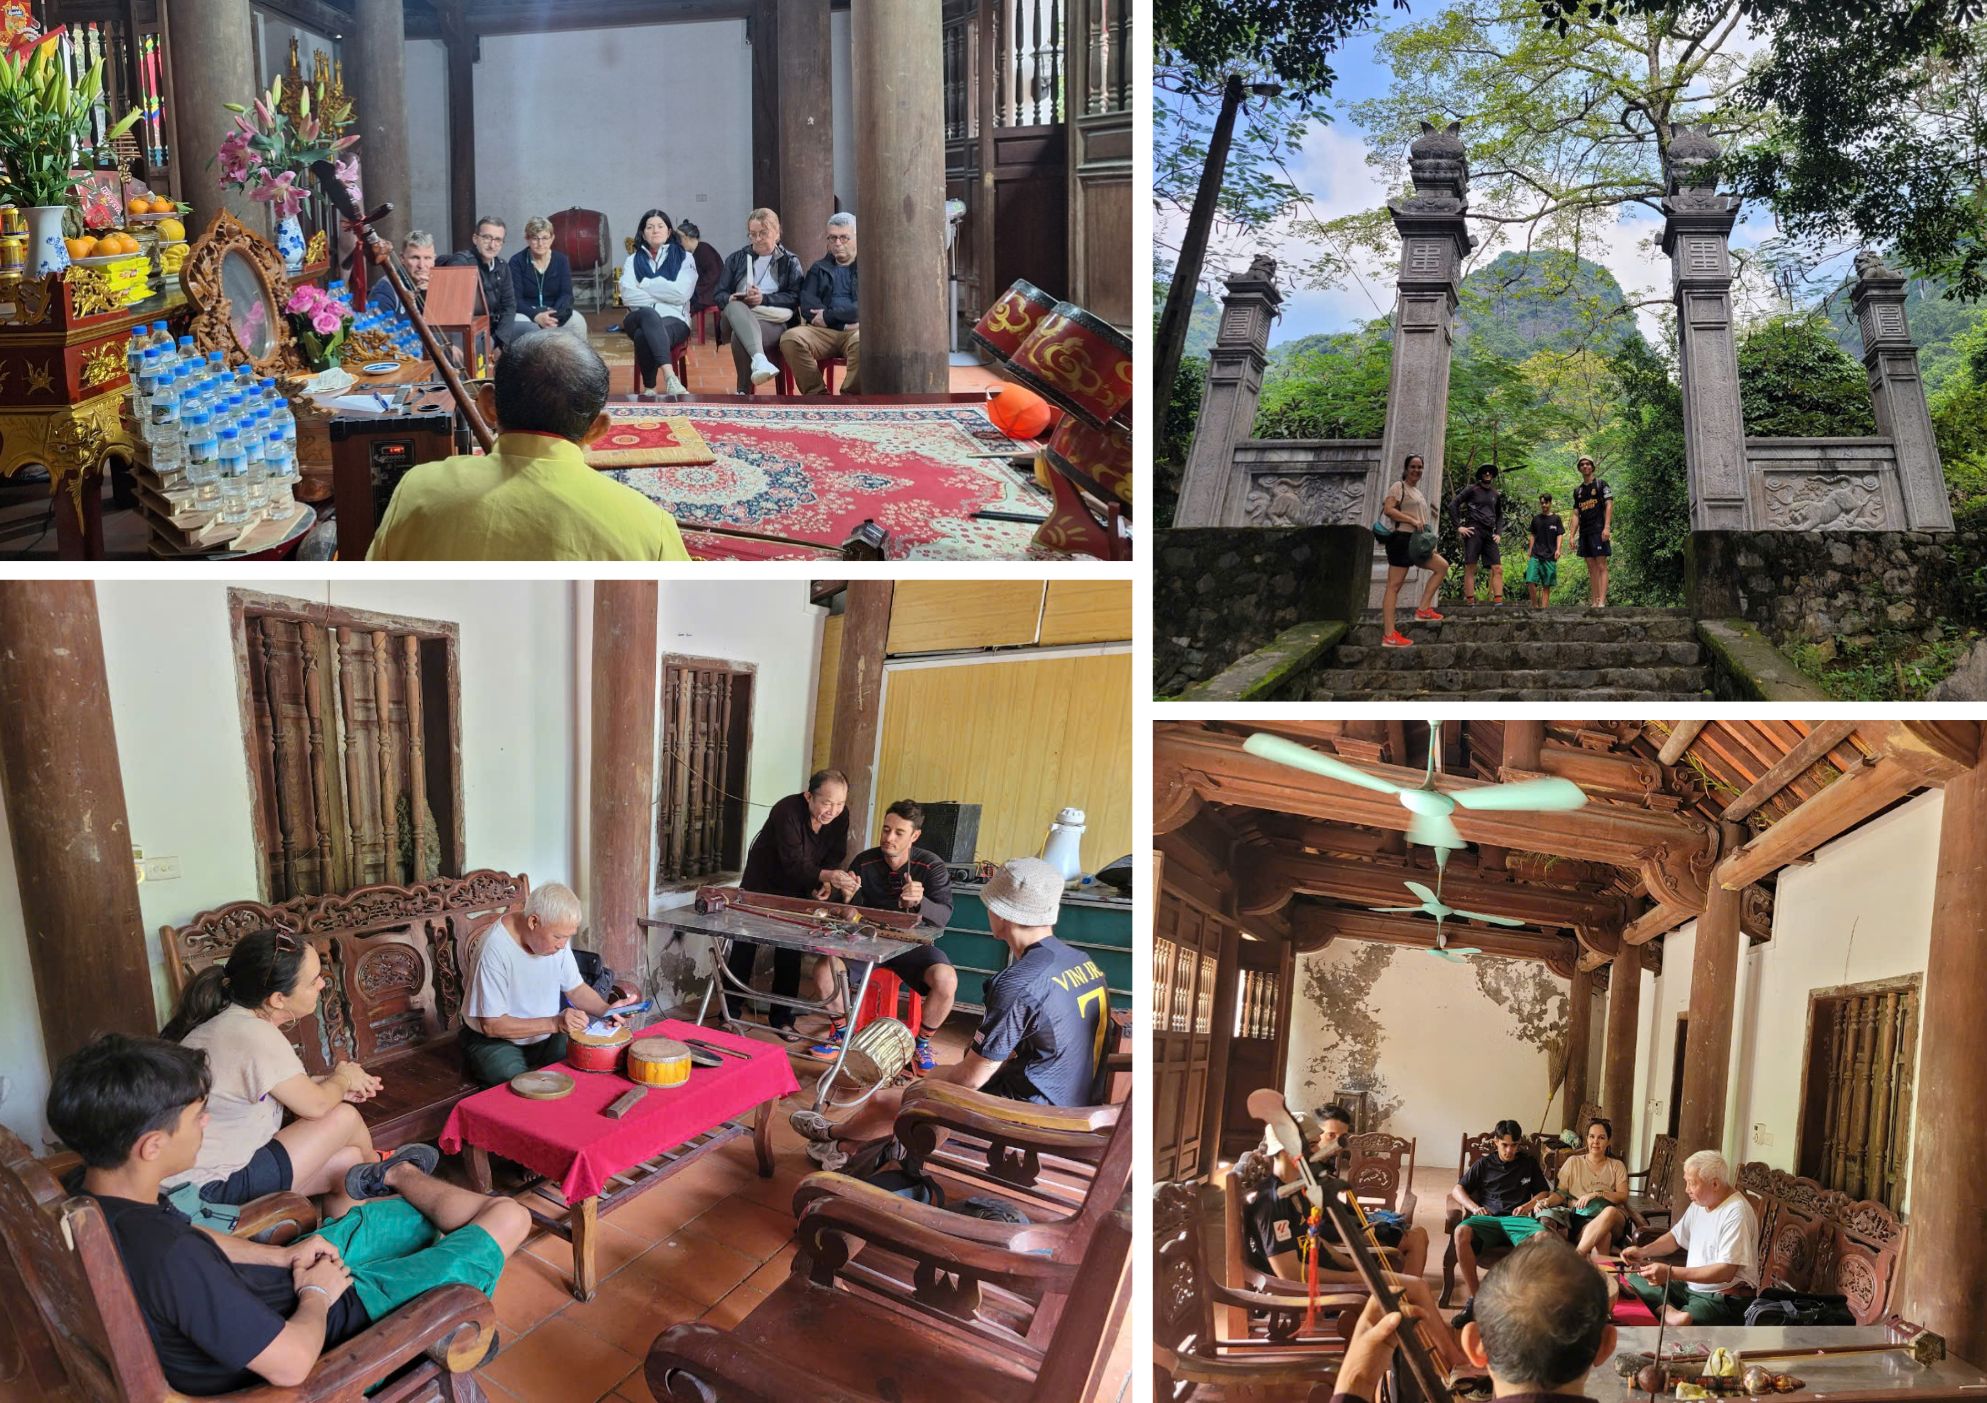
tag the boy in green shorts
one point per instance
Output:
(1499, 1193)
(224, 1312)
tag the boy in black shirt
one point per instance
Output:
(1593, 508)
(1542, 569)
(1499, 1193)
(224, 1312)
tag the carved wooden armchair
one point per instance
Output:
(1190, 1348)
(1475, 1147)
(1651, 1207)
(1380, 1169)
(1241, 1275)
(68, 1262)
(1820, 1240)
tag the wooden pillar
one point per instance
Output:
(1707, 1060)
(1579, 1042)
(807, 133)
(64, 796)
(1523, 740)
(1945, 1272)
(376, 75)
(900, 172)
(1618, 1069)
(461, 47)
(859, 698)
(620, 804)
(764, 35)
(213, 62)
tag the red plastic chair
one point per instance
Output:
(786, 385)
(880, 1001)
(679, 361)
(708, 320)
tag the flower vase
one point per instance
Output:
(290, 242)
(47, 253)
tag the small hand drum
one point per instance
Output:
(658, 1062)
(878, 1052)
(1097, 460)
(597, 1052)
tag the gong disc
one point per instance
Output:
(542, 1085)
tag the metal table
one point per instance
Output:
(1855, 1378)
(724, 927)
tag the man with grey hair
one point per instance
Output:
(417, 261)
(1720, 1235)
(829, 324)
(1042, 1034)
(512, 1020)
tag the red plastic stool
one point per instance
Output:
(880, 1001)
(679, 361)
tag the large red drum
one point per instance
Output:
(1004, 326)
(1078, 361)
(1097, 460)
(581, 234)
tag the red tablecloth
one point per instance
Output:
(570, 1140)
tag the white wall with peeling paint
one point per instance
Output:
(1445, 1058)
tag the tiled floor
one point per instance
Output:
(710, 1244)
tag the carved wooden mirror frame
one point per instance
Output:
(213, 323)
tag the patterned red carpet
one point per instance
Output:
(816, 471)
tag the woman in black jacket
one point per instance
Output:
(757, 295)
(543, 281)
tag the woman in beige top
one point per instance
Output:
(1595, 1186)
(1407, 510)
(235, 1013)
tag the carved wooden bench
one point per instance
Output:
(1822, 1241)
(396, 965)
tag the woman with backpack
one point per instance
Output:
(1409, 540)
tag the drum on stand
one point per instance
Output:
(1078, 361)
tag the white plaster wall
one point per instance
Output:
(23, 1063)
(1445, 1049)
(426, 63)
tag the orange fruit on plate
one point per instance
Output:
(81, 248)
(162, 205)
(138, 204)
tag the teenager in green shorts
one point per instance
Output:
(1500, 1193)
(225, 1313)
(1719, 1233)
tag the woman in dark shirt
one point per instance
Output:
(1542, 569)
(543, 280)
(710, 267)
(799, 851)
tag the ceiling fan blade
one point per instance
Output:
(1484, 916)
(1455, 951)
(1302, 757)
(1427, 896)
(1434, 752)
(1434, 831)
(1448, 955)
(1546, 795)
(1391, 910)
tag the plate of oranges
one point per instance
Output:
(148, 207)
(95, 252)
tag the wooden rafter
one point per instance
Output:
(1313, 926)
(1682, 733)
(1810, 750)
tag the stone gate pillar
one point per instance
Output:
(1697, 229)
(1898, 394)
(1434, 241)
(1234, 383)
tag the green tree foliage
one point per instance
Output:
(1959, 418)
(1177, 432)
(1292, 39)
(1547, 300)
(1333, 386)
(1641, 454)
(1795, 382)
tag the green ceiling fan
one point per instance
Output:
(1433, 905)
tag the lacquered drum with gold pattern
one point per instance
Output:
(1097, 460)
(1080, 362)
(1005, 325)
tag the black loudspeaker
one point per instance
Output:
(951, 830)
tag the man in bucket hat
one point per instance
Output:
(1043, 1030)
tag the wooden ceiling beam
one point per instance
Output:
(1315, 925)
(1682, 733)
(1857, 795)
(1812, 749)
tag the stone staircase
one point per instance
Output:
(1517, 653)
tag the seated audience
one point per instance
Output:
(534, 497)
(1591, 1201)
(1541, 1327)
(796, 853)
(512, 1019)
(657, 283)
(235, 1013)
(757, 296)
(499, 297)
(225, 1313)
(542, 280)
(1499, 1193)
(897, 875)
(828, 323)
(710, 267)
(1044, 1026)
(417, 261)
(1719, 1233)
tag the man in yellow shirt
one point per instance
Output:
(534, 497)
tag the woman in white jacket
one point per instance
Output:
(657, 282)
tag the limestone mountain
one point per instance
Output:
(1519, 304)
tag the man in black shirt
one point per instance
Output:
(1040, 1039)
(897, 875)
(829, 322)
(1499, 1193)
(797, 852)
(1273, 1226)
(1476, 509)
(487, 257)
(222, 1311)
(1593, 508)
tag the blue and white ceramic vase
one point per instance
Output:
(46, 251)
(290, 242)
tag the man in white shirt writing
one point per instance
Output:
(1720, 1235)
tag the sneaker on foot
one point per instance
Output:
(921, 1057)
(363, 1181)
(1465, 1315)
(1397, 639)
(763, 370)
(829, 1048)
(671, 385)
(812, 1125)
(1426, 613)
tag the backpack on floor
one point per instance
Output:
(1779, 1306)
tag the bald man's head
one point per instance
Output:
(1543, 1316)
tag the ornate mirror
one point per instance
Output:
(235, 282)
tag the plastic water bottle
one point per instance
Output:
(279, 457)
(134, 352)
(147, 381)
(234, 480)
(163, 434)
(256, 471)
(186, 355)
(278, 406)
(203, 449)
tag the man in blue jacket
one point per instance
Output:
(828, 313)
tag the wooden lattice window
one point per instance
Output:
(1163, 951)
(1856, 1095)
(1256, 1004)
(1204, 998)
(706, 750)
(350, 723)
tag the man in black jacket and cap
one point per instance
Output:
(1476, 509)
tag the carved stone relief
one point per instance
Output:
(1306, 499)
(1825, 502)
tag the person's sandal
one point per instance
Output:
(364, 1181)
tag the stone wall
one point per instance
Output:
(1221, 592)
(1812, 586)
